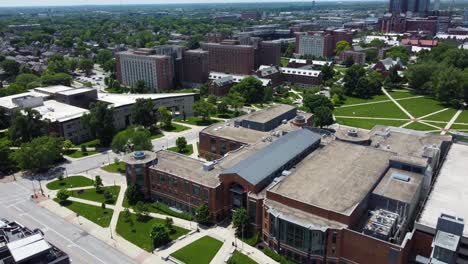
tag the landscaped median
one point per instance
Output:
(70, 182)
(107, 194)
(118, 167)
(93, 213)
(188, 150)
(138, 231)
(239, 258)
(201, 251)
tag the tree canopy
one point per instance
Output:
(39, 154)
(250, 89)
(100, 120)
(143, 112)
(132, 139)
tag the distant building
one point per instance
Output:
(357, 56)
(254, 15)
(321, 43)
(221, 83)
(195, 66)
(384, 66)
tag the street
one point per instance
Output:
(16, 205)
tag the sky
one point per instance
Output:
(9, 3)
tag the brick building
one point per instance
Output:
(230, 58)
(195, 66)
(317, 199)
(321, 43)
(220, 83)
(358, 57)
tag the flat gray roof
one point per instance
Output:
(126, 99)
(130, 158)
(263, 163)
(397, 189)
(404, 141)
(450, 190)
(185, 167)
(239, 134)
(336, 177)
(267, 114)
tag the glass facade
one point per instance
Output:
(297, 236)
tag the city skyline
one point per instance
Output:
(46, 3)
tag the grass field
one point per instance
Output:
(463, 117)
(239, 258)
(91, 195)
(399, 94)
(445, 116)
(192, 253)
(188, 150)
(420, 127)
(156, 135)
(421, 106)
(387, 110)
(175, 128)
(69, 182)
(459, 127)
(118, 167)
(141, 236)
(354, 100)
(93, 213)
(197, 121)
(368, 123)
(76, 154)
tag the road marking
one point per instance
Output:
(66, 239)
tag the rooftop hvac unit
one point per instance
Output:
(209, 165)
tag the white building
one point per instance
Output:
(311, 45)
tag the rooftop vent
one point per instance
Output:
(139, 155)
(209, 165)
(353, 132)
(401, 177)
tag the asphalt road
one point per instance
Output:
(82, 248)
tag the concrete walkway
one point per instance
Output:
(397, 104)
(381, 101)
(450, 123)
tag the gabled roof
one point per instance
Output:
(263, 163)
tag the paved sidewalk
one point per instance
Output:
(397, 104)
(450, 123)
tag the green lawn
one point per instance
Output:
(76, 154)
(69, 182)
(420, 127)
(201, 251)
(349, 100)
(118, 167)
(399, 94)
(197, 121)
(155, 135)
(91, 144)
(239, 258)
(141, 236)
(277, 257)
(91, 195)
(252, 240)
(175, 128)
(188, 150)
(386, 109)
(445, 116)
(368, 123)
(459, 127)
(160, 208)
(463, 117)
(421, 106)
(93, 213)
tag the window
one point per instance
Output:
(223, 147)
(205, 194)
(196, 190)
(232, 146)
(213, 145)
(162, 178)
(334, 238)
(187, 187)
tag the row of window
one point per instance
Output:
(179, 186)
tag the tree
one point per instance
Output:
(348, 62)
(86, 65)
(159, 234)
(236, 101)
(398, 52)
(204, 109)
(67, 145)
(341, 46)
(108, 197)
(141, 210)
(323, 116)
(50, 79)
(165, 115)
(6, 160)
(143, 112)
(202, 214)
(327, 72)
(27, 126)
(375, 83)
(351, 78)
(212, 99)
(10, 67)
(72, 65)
(127, 215)
(39, 154)
(250, 88)
(98, 184)
(133, 194)
(222, 107)
(169, 223)
(132, 139)
(109, 66)
(103, 56)
(14, 88)
(26, 78)
(450, 86)
(100, 120)
(421, 77)
(139, 87)
(268, 94)
(289, 50)
(63, 195)
(240, 220)
(378, 43)
(312, 101)
(181, 144)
